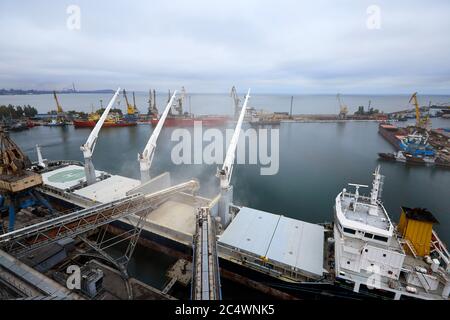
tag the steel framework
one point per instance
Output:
(29, 238)
(206, 274)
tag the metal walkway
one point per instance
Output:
(24, 240)
(206, 273)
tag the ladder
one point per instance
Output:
(409, 245)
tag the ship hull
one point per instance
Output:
(390, 134)
(55, 124)
(387, 156)
(91, 124)
(189, 122)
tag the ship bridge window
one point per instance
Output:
(348, 230)
(380, 238)
(368, 235)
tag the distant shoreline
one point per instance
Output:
(19, 92)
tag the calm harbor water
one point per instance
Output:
(317, 160)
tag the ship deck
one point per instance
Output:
(113, 188)
(67, 177)
(364, 212)
(174, 219)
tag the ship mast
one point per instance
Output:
(377, 186)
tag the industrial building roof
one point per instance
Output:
(110, 189)
(282, 240)
(66, 177)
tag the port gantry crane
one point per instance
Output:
(343, 108)
(146, 157)
(224, 174)
(178, 107)
(89, 146)
(60, 115)
(16, 181)
(152, 110)
(420, 122)
(236, 100)
(131, 108)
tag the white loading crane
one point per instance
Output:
(89, 146)
(41, 161)
(146, 157)
(224, 174)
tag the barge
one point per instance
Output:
(392, 134)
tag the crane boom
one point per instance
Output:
(58, 106)
(89, 146)
(416, 105)
(146, 157)
(236, 100)
(130, 108)
(227, 168)
(224, 174)
(134, 103)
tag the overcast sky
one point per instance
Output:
(208, 46)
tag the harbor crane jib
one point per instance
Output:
(146, 157)
(421, 122)
(89, 146)
(236, 101)
(224, 174)
(59, 109)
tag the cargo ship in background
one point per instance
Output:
(178, 118)
(113, 120)
(392, 134)
(108, 123)
(189, 120)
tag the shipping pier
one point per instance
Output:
(418, 144)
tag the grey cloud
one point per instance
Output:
(273, 46)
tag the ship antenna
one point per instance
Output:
(377, 186)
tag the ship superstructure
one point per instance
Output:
(371, 252)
